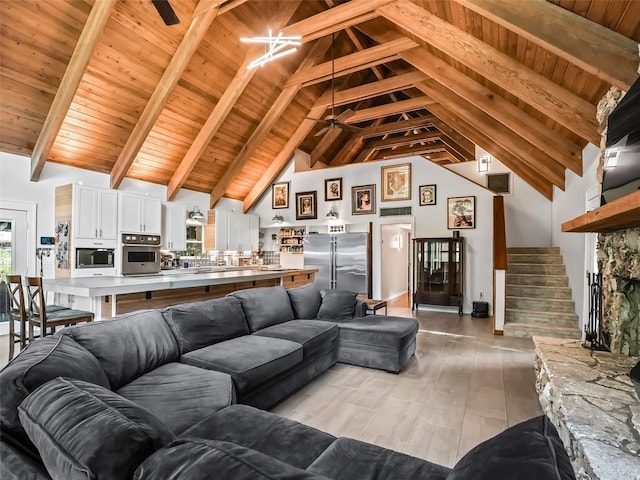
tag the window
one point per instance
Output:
(499, 182)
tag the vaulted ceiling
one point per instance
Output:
(105, 85)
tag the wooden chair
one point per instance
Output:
(48, 317)
(17, 313)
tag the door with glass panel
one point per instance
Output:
(13, 255)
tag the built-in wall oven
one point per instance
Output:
(140, 254)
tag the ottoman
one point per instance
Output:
(377, 341)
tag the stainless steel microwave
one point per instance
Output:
(95, 258)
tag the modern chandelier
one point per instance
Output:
(274, 47)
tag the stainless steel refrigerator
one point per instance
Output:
(342, 260)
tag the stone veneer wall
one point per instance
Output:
(619, 262)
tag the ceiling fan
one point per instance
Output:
(332, 120)
(166, 12)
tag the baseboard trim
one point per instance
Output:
(498, 332)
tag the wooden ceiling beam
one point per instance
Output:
(465, 144)
(455, 156)
(226, 102)
(548, 97)
(89, 38)
(410, 151)
(393, 108)
(354, 62)
(514, 162)
(328, 138)
(376, 89)
(535, 132)
(352, 147)
(267, 123)
(439, 157)
(397, 141)
(206, 12)
(396, 127)
(283, 157)
(468, 155)
(594, 48)
(496, 131)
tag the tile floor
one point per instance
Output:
(463, 386)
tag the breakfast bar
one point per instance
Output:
(110, 296)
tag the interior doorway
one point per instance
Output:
(13, 254)
(396, 263)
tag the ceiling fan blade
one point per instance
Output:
(349, 128)
(348, 113)
(322, 131)
(166, 12)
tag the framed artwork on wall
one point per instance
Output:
(333, 189)
(363, 200)
(306, 205)
(461, 213)
(280, 195)
(427, 195)
(396, 182)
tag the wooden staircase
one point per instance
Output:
(538, 296)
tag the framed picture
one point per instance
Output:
(461, 212)
(363, 200)
(396, 182)
(427, 195)
(280, 195)
(333, 189)
(306, 205)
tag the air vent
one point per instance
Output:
(389, 212)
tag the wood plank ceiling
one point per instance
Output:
(105, 85)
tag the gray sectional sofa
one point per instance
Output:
(173, 394)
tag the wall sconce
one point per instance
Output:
(196, 214)
(332, 214)
(277, 218)
(483, 163)
(611, 158)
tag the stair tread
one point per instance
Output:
(540, 298)
(539, 312)
(541, 326)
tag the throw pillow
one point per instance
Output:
(337, 304)
(305, 301)
(264, 306)
(85, 431)
(530, 450)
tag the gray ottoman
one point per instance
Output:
(377, 341)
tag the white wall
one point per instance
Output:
(428, 221)
(567, 205)
(527, 212)
(15, 186)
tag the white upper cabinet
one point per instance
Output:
(241, 231)
(139, 213)
(94, 213)
(174, 232)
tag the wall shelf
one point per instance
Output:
(616, 215)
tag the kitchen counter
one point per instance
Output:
(108, 296)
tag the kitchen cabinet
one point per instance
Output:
(94, 214)
(438, 275)
(174, 232)
(139, 213)
(231, 231)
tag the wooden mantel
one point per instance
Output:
(616, 215)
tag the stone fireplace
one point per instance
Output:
(619, 263)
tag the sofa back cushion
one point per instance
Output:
(530, 450)
(264, 306)
(129, 345)
(200, 459)
(337, 305)
(43, 360)
(305, 301)
(85, 431)
(199, 324)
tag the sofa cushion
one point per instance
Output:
(44, 359)
(200, 324)
(264, 306)
(530, 450)
(348, 459)
(337, 304)
(250, 360)
(287, 440)
(380, 330)
(128, 345)
(16, 465)
(311, 334)
(200, 459)
(180, 395)
(305, 300)
(85, 431)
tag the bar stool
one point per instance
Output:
(17, 313)
(50, 316)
